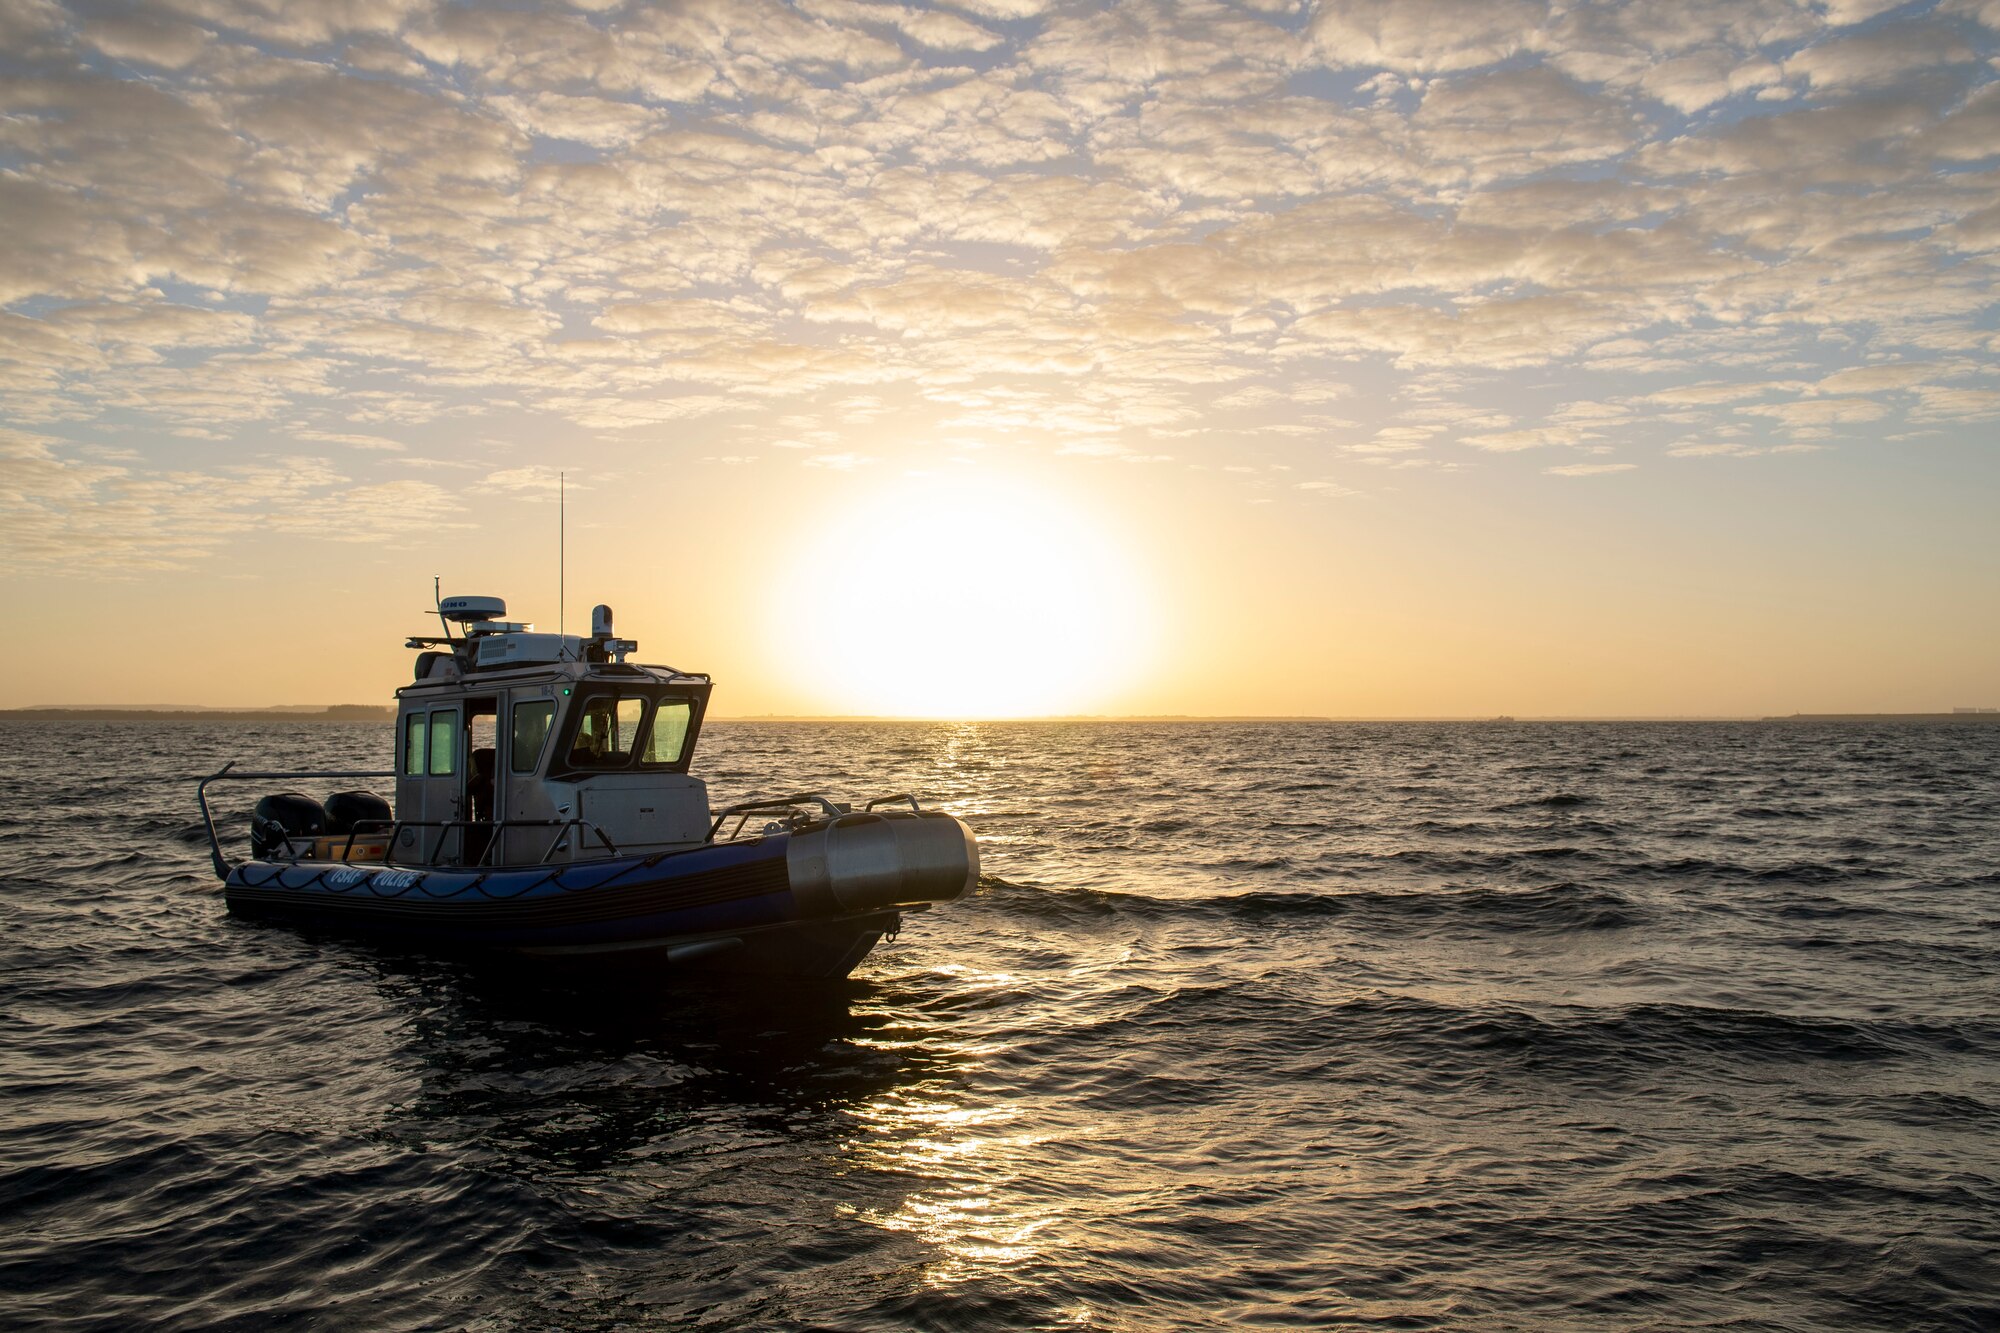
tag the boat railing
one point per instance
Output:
(557, 841)
(831, 809)
(374, 828)
(228, 772)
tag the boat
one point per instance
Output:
(543, 808)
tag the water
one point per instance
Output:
(1462, 1027)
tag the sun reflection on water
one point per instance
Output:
(971, 1199)
(966, 1211)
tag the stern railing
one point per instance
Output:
(371, 828)
(829, 809)
(221, 862)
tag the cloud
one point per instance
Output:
(376, 442)
(1112, 230)
(1719, 392)
(146, 39)
(301, 25)
(1941, 403)
(64, 514)
(1525, 331)
(1588, 469)
(598, 121)
(1730, 449)
(1515, 121)
(1424, 36)
(1881, 57)
(1689, 55)
(1880, 378)
(534, 482)
(1830, 411)
(1534, 437)
(926, 27)
(1394, 440)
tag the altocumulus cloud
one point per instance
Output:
(1157, 232)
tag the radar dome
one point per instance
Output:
(472, 610)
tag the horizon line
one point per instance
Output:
(308, 712)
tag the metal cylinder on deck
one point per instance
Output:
(862, 862)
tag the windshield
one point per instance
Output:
(606, 731)
(613, 729)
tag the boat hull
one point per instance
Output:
(785, 903)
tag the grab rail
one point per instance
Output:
(741, 810)
(371, 827)
(744, 809)
(831, 809)
(445, 826)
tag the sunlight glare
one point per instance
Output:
(969, 597)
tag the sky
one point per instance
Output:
(1426, 358)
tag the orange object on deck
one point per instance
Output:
(368, 847)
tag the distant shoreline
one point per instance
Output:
(378, 715)
(368, 713)
(1990, 716)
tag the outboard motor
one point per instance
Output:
(357, 811)
(284, 815)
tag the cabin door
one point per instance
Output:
(434, 768)
(526, 802)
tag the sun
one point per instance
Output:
(966, 597)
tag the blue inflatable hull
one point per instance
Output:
(728, 905)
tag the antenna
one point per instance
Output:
(437, 596)
(562, 544)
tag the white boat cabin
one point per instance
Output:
(516, 748)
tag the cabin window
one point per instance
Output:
(670, 732)
(444, 743)
(607, 731)
(628, 731)
(413, 744)
(531, 730)
(628, 715)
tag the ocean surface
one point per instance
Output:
(1483, 1027)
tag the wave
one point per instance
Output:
(1423, 862)
(1828, 909)
(1642, 1041)
(1562, 800)
(1930, 1109)
(1815, 872)
(1315, 992)
(1550, 909)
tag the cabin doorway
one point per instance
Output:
(482, 778)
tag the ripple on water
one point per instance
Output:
(1425, 1026)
